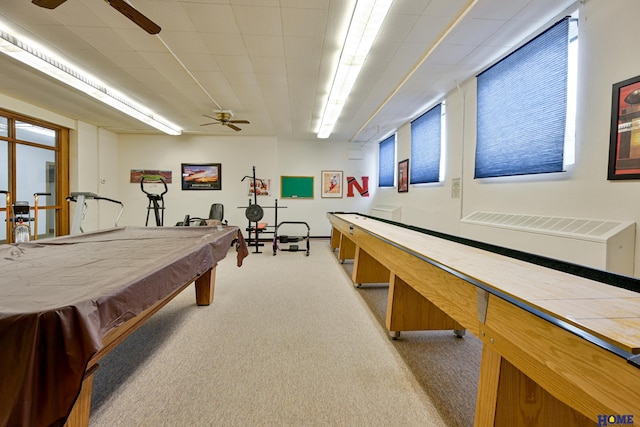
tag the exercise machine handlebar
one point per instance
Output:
(159, 179)
(81, 197)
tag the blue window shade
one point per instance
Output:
(522, 106)
(387, 162)
(426, 133)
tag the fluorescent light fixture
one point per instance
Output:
(37, 57)
(366, 21)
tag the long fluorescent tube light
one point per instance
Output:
(366, 21)
(38, 58)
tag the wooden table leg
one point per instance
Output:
(79, 416)
(335, 239)
(347, 249)
(408, 310)
(366, 269)
(205, 285)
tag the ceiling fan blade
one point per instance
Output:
(240, 121)
(207, 124)
(213, 118)
(136, 17)
(48, 4)
(234, 127)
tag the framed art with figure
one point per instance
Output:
(403, 176)
(332, 184)
(624, 143)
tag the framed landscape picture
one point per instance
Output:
(206, 176)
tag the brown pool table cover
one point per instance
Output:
(59, 297)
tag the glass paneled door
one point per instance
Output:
(30, 153)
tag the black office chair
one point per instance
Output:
(217, 212)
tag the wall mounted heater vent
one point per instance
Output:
(604, 244)
(390, 212)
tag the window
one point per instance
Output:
(34, 159)
(387, 162)
(426, 143)
(523, 108)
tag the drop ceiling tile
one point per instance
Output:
(447, 8)
(199, 62)
(475, 31)
(213, 18)
(408, 7)
(302, 67)
(271, 46)
(139, 40)
(396, 28)
(451, 54)
(224, 44)
(428, 30)
(126, 59)
(303, 22)
(272, 81)
(258, 20)
(307, 4)
(234, 64)
(184, 42)
(161, 61)
(498, 10)
(211, 79)
(269, 65)
(101, 38)
(303, 47)
(243, 79)
(542, 11)
(169, 15)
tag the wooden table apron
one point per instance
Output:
(532, 372)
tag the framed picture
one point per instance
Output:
(403, 176)
(624, 144)
(206, 176)
(332, 184)
(150, 175)
(263, 187)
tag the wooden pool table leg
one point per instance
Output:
(79, 416)
(205, 285)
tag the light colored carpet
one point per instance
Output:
(288, 341)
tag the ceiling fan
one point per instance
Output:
(223, 118)
(120, 5)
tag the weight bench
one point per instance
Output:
(285, 239)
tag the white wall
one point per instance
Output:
(237, 156)
(607, 43)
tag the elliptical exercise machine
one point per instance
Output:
(156, 201)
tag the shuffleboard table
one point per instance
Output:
(561, 342)
(66, 302)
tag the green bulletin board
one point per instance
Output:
(296, 187)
